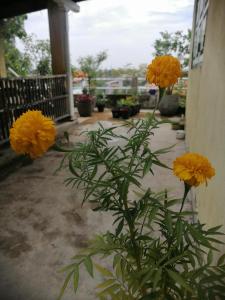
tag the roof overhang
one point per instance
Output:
(12, 8)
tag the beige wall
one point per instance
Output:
(206, 116)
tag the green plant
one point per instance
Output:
(157, 253)
(182, 101)
(128, 101)
(101, 99)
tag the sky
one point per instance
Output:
(127, 29)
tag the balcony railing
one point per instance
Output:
(47, 94)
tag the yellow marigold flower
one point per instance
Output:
(164, 71)
(32, 133)
(193, 169)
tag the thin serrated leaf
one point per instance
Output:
(65, 285)
(179, 279)
(76, 279)
(119, 227)
(105, 284)
(116, 260)
(157, 278)
(105, 272)
(89, 265)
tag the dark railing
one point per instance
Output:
(47, 94)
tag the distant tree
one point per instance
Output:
(90, 64)
(39, 53)
(127, 70)
(10, 30)
(177, 43)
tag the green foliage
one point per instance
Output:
(127, 70)
(128, 101)
(36, 57)
(157, 253)
(177, 44)
(13, 27)
(15, 59)
(101, 99)
(39, 53)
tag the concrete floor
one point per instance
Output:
(42, 224)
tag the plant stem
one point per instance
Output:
(132, 234)
(186, 190)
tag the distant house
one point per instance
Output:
(205, 115)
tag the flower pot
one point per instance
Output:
(116, 113)
(84, 109)
(100, 107)
(181, 110)
(168, 105)
(125, 112)
(133, 110)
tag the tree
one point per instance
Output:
(90, 64)
(15, 59)
(39, 53)
(177, 44)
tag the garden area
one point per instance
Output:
(43, 227)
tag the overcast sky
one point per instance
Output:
(127, 29)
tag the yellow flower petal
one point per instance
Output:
(32, 133)
(163, 71)
(193, 168)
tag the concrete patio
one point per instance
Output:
(42, 224)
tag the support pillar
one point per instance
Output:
(59, 42)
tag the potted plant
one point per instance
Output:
(116, 112)
(84, 104)
(125, 112)
(170, 72)
(100, 103)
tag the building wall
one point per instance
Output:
(205, 131)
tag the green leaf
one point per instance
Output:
(65, 285)
(119, 227)
(105, 284)
(164, 150)
(179, 279)
(168, 222)
(221, 260)
(157, 278)
(89, 265)
(147, 165)
(116, 260)
(105, 272)
(76, 279)
(209, 257)
(110, 290)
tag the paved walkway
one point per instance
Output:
(42, 224)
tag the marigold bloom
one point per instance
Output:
(32, 133)
(193, 169)
(163, 71)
